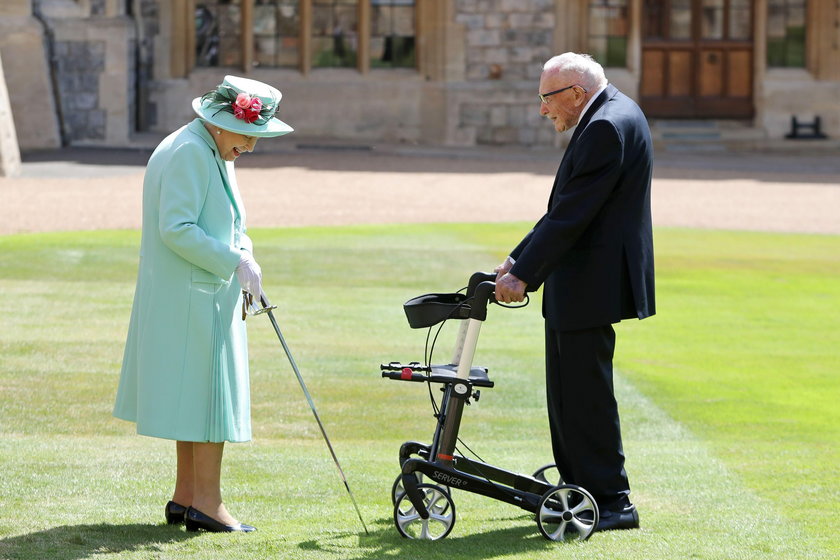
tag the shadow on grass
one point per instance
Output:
(384, 542)
(75, 542)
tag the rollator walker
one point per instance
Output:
(422, 493)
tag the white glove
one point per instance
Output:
(249, 274)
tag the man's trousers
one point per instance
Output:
(583, 414)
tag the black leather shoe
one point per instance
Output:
(627, 518)
(196, 520)
(175, 513)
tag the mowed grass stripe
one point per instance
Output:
(692, 506)
(340, 291)
(744, 350)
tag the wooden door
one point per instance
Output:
(697, 58)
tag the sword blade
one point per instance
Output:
(315, 413)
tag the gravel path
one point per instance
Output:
(82, 189)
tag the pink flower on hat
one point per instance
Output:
(247, 108)
(243, 100)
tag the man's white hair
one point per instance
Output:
(590, 73)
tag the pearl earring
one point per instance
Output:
(218, 131)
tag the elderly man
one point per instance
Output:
(593, 250)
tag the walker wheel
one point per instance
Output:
(397, 490)
(441, 514)
(549, 474)
(567, 513)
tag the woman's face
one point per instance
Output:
(230, 144)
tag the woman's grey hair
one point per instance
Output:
(590, 73)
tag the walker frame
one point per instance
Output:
(427, 510)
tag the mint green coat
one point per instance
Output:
(185, 367)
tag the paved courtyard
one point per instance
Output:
(294, 183)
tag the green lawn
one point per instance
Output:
(727, 401)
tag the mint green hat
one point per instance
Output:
(243, 106)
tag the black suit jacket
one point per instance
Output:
(593, 249)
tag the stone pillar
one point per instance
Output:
(441, 42)
(363, 53)
(568, 32)
(9, 151)
(824, 40)
(94, 68)
(759, 58)
(27, 74)
(441, 54)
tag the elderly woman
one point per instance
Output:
(185, 368)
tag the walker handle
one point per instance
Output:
(477, 278)
(484, 294)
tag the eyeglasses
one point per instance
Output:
(544, 96)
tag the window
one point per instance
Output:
(740, 16)
(726, 19)
(680, 20)
(218, 33)
(608, 31)
(692, 20)
(306, 34)
(335, 33)
(277, 33)
(786, 33)
(392, 34)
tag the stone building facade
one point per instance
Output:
(439, 72)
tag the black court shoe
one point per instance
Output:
(196, 520)
(175, 513)
(626, 518)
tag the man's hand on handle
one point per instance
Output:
(509, 288)
(504, 268)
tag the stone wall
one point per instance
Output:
(507, 42)
(331, 104)
(9, 149)
(148, 28)
(25, 63)
(496, 113)
(79, 65)
(94, 74)
(75, 62)
(792, 92)
(120, 67)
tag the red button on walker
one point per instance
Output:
(407, 372)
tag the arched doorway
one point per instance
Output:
(697, 58)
